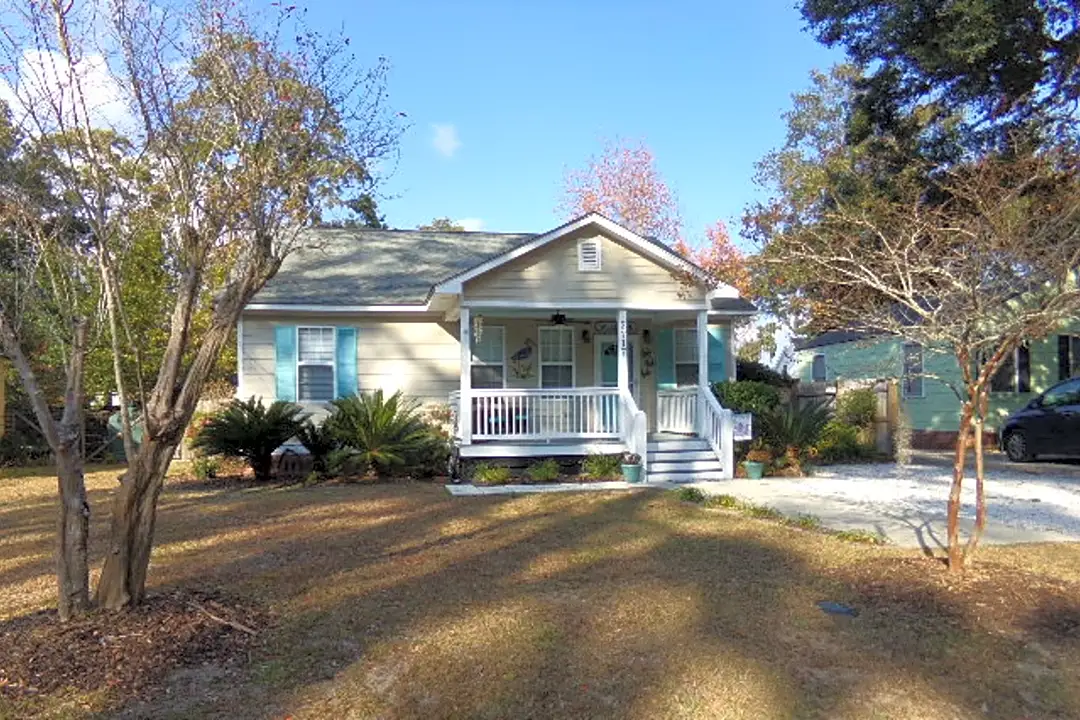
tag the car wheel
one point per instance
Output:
(1016, 447)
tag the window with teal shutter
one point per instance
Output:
(285, 362)
(665, 358)
(346, 361)
(718, 344)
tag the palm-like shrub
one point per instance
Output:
(250, 430)
(319, 441)
(386, 433)
(795, 429)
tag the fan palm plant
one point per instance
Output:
(795, 429)
(385, 433)
(250, 430)
(319, 441)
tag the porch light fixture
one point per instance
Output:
(646, 337)
(585, 337)
(558, 319)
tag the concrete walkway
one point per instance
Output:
(907, 505)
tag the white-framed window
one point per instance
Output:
(1014, 373)
(315, 368)
(686, 357)
(913, 370)
(817, 368)
(590, 256)
(557, 357)
(489, 358)
(1068, 356)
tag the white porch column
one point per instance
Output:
(703, 348)
(465, 400)
(624, 349)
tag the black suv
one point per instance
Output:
(1048, 425)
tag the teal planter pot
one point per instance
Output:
(754, 470)
(631, 473)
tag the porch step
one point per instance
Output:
(675, 455)
(685, 477)
(685, 466)
(678, 445)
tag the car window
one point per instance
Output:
(1064, 394)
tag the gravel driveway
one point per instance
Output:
(907, 504)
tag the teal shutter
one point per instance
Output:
(346, 361)
(718, 342)
(665, 358)
(285, 362)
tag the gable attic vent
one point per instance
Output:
(588, 256)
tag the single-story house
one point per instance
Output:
(587, 338)
(925, 375)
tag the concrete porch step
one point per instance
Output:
(684, 477)
(679, 455)
(677, 445)
(690, 466)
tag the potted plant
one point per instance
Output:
(756, 460)
(631, 467)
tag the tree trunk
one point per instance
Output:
(956, 554)
(134, 513)
(73, 527)
(980, 495)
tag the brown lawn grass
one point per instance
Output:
(398, 601)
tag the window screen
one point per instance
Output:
(556, 357)
(686, 357)
(488, 362)
(315, 364)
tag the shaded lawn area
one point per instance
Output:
(397, 601)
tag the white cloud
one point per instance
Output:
(446, 141)
(42, 80)
(470, 224)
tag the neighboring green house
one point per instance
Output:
(931, 405)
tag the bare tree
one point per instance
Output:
(243, 134)
(979, 262)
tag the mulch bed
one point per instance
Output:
(127, 652)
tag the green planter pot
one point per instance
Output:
(754, 470)
(632, 473)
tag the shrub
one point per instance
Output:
(250, 430)
(346, 462)
(319, 441)
(204, 468)
(690, 494)
(543, 471)
(763, 512)
(387, 433)
(723, 501)
(485, 474)
(600, 467)
(747, 396)
(795, 428)
(755, 371)
(857, 407)
(806, 521)
(839, 442)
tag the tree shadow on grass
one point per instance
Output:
(402, 602)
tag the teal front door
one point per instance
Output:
(607, 364)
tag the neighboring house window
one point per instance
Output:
(489, 358)
(686, 357)
(1014, 375)
(589, 257)
(1068, 356)
(817, 369)
(556, 357)
(315, 364)
(913, 369)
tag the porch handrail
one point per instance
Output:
(543, 413)
(636, 429)
(676, 410)
(717, 427)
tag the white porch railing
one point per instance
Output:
(718, 429)
(542, 414)
(676, 410)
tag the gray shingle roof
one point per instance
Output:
(380, 267)
(735, 305)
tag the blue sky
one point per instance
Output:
(503, 96)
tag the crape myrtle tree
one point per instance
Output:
(973, 259)
(241, 133)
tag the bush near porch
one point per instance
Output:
(532, 471)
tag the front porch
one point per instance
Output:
(581, 381)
